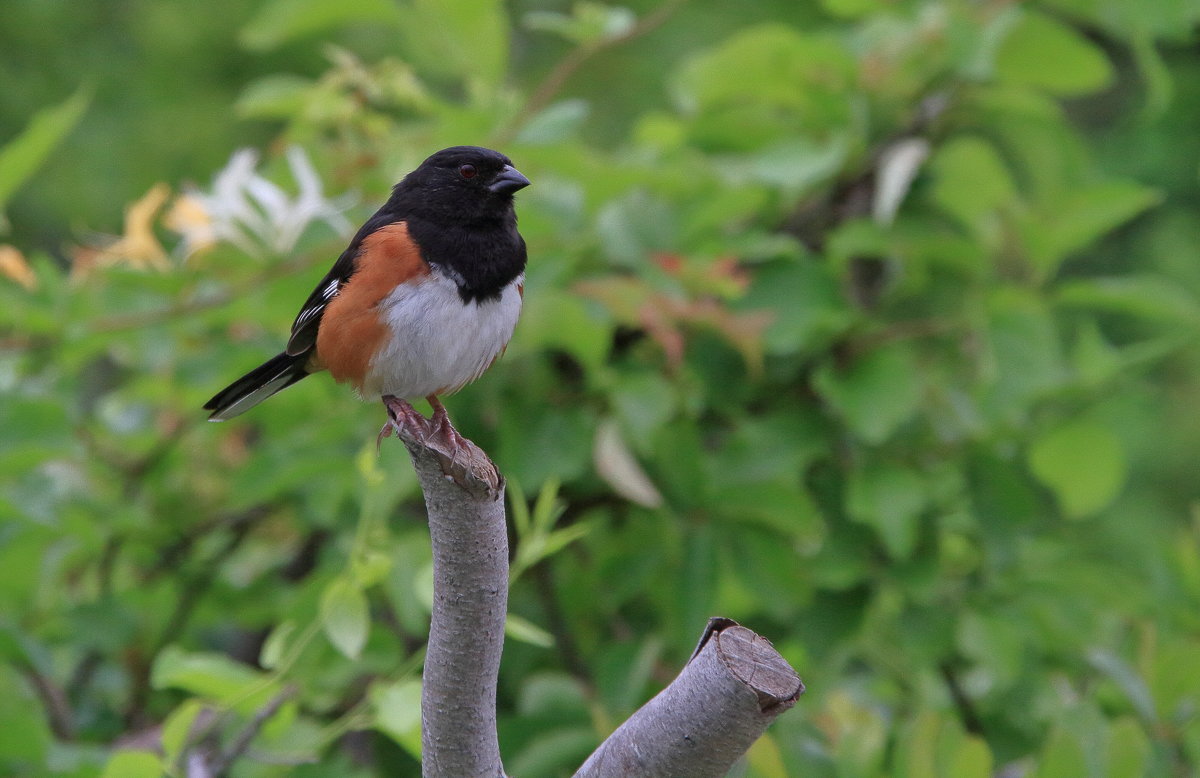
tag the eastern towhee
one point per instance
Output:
(422, 301)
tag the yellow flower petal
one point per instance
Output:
(138, 247)
(14, 266)
(188, 217)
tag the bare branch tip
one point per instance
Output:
(755, 662)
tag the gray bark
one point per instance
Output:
(727, 694)
(464, 495)
(720, 703)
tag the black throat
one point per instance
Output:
(483, 256)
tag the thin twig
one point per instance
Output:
(966, 709)
(133, 321)
(54, 701)
(222, 761)
(193, 590)
(545, 92)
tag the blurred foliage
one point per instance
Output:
(868, 323)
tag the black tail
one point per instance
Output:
(275, 374)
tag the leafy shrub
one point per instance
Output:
(869, 324)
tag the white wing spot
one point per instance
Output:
(328, 293)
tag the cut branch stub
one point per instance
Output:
(720, 703)
(757, 664)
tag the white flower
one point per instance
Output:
(253, 213)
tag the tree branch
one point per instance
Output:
(54, 701)
(720, 703)
(464, 495)
(731, 689)
(223, 761)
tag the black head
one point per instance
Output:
(459, 209)
(461, 183)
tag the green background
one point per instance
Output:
(870, 324)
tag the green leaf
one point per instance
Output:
(1088, 212)
(133, 764)
(370, 567)
(635, 225)
(526, 631)
(177, 727)
(698, 577)
(861, 738)
(397, 710)
(542, 544)
(992, 640)
(1129, 749)
(1078, 217)
(1156, 75)
(1062, 756)
(554, 751)
(1050, 55)
(554, 124)
(971, 759)
(765, 758)
(554, 442)
(1148, 297)
(209, 675)
(24, 733)
(21, 156)
(616, 464)
(279, 96)
(1127, 678)
(806, 302)
(1024, 360)
(643, 402)
(764, 84)
(555, 319)
(547, 509)
(1082, 463)
(876, 393)
(344, 616)
(281, 21)
(852, 9)
(794, 165)
(464, 39)
(1094, 359)
(889, 498)
(275, 646)
(553, 694)
(933, 744)
(588, 23)
(972, 182)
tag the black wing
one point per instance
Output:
(304, 328)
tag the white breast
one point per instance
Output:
(439, 344)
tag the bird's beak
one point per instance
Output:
(508, 181)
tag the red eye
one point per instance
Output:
(467, 171)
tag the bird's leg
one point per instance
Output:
(441, 423)
(402, 415)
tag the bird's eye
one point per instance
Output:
(467, 171)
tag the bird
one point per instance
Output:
(421, 303)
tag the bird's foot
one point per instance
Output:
(440, 425)
(460, 460)
(404, 420)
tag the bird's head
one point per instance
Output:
(461, 182)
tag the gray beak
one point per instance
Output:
(508, 180)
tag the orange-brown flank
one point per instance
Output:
(351, 329)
